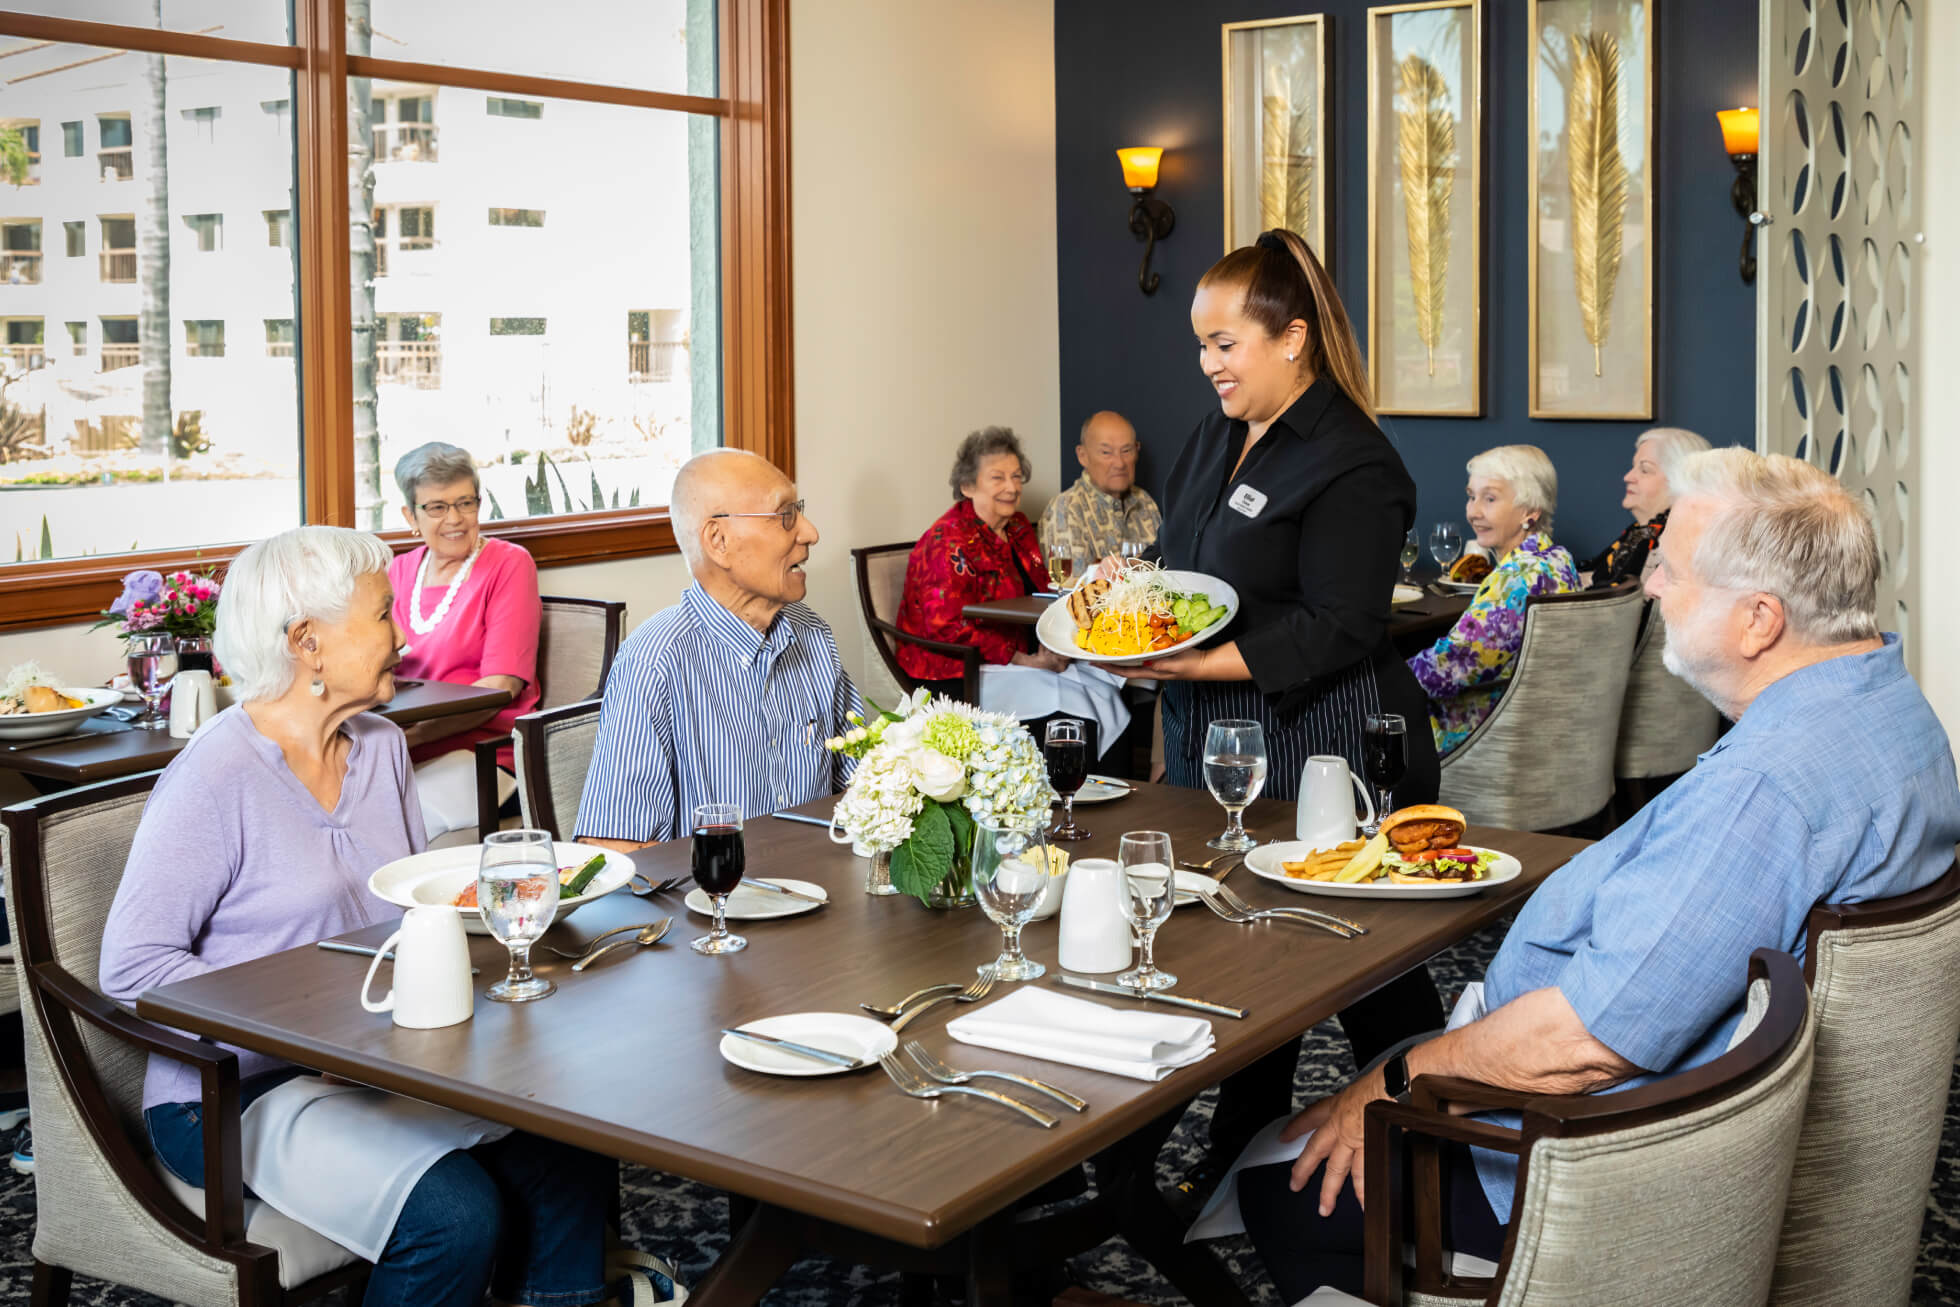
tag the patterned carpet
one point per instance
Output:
(687, 1223)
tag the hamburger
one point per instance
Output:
(1425, 839)
(1470, 568)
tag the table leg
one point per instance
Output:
(1128, 1172)
(989, 1266)
(768, 1243)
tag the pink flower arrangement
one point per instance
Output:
(182, 603)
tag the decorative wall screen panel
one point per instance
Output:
(1838, 262)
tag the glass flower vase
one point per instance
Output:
(878, 874)
(956, 890)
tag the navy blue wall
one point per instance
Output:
(1146, 72)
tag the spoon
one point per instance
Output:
(651, 935)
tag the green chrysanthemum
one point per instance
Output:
(951, 735)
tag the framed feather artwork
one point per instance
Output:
(1592, 209)
(1275, 81)
(1426, 208)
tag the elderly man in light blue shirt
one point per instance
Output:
(1836, 785)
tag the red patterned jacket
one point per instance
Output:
(960, 561)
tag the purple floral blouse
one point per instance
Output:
(1464, 672)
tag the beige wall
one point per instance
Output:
(1937, 426)
(923, 183)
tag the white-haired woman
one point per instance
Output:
(470, 606)
(259, 837)
(1657, 454)
(1513, 492)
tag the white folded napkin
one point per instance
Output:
(1056, 1028)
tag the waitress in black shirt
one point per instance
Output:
(1292, 494)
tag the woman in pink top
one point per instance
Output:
(470, 607)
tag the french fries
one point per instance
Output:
(1322, 864)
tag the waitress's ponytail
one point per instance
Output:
(1284, 282)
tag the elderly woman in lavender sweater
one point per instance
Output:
(259, 837)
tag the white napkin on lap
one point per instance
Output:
(1056, 1028)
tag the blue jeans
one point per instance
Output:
(523, 1215)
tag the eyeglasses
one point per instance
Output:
(788, 514)
(467, 506)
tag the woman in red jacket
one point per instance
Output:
(981, 548)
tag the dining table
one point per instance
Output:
(624, 1059)
(105, 746)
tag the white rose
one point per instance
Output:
(937, 776)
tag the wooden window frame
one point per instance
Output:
(757, 377)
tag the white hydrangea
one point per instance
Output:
(878, 809)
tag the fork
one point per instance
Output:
(593, 943)
(1243, 917)
(1237, 904)
(946, 1075)
(971, 994)
(1207, 865)
(917, 1086)
(897, 1009)
(658, 887)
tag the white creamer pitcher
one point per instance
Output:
(1095, 930)
(1325, 814)
(432, 971)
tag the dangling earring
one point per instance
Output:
(318, 688)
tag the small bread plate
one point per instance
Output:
(833, 1032)
(1190, 884)
(1405, 594)
(1264, 862)
(62, 721)
(1056, 627)
(750, 903)
(1102, 789)
(438, 876)
(1459, 587)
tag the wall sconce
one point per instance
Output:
(1151, 219)
(1741, 129)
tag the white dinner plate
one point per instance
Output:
(1101, 789)
(1406, 594)
(833, 1032)
(1460, 587)
(1264, 861)
(62, 721)
(1190, 884)
(438, 876)
(748, 903)
(1056, 628)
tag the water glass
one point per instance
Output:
(1411, 555)
(152, 663)
(1385, 755)
(1235, 772)
(517, 892)
(720, 858)
(1066, 751)
(1010, 875)
(1149, 892)
(1445, 543)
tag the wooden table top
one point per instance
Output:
(1412, 626)
(623, 1059)
(102, 751)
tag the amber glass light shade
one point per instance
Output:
(1140, 166)
(1740, 128)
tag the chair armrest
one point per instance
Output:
(486, 786)
(1387, 1219)
(1436, 1093)
(970, 657)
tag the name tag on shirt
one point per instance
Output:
(1248, 501)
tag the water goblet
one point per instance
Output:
(1149, 891)
(1010, 875)
(152, 664)
(1067, 753)
(1445, 543)
(719, 860)
(517, 892)
(1235, 772)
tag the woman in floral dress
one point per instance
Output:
(1513, 491)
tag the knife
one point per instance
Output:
(1176, 1000)
(819, 1054)
(773, 887)
(804, 817)
(360, 950)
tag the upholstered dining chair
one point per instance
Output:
(1543, 758)
(103, 1207)
(553, 752)
(1887, 1012)
(1668, 1193)
(881, 584)
(1665, 724)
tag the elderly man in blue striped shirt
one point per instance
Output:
(728, 696)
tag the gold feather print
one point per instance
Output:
(1299, 172)
(1278, 108)
(1427, 132)
(1598, 178)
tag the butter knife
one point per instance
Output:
(774, 888)
(1154, 996)
(803, 1050)
(803, 817)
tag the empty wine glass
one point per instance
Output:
(1010, 875)
(517, 892)
(1131, 549)
(152, 663)
(1235, 772)
(1445, 543)
(1149, 891)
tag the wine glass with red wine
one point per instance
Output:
(1385, 755)
(1067, 753)
(719, 861)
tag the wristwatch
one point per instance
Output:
(1395, 1077)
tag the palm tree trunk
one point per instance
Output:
(360, 204)
(153, 259)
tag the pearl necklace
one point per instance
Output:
(416, 622)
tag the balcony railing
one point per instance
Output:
(404, 245)
(405, 143)
(116, 354)
(653, 360)
(26, 358)
(20, 268)
(416, 363)
(204, 349)
(119, 265)
(279, 349)
(118, 165)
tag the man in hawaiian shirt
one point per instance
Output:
(1105, 508)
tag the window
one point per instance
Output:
(517, 217)
(28, 132)
(279, 228)
(656, 345)
(517, 326)
(24, 351)
(71, 140)
(204, 338)
(424, 365)
(20, 254)
(208, 229)
(75, 238)
(78, 338)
